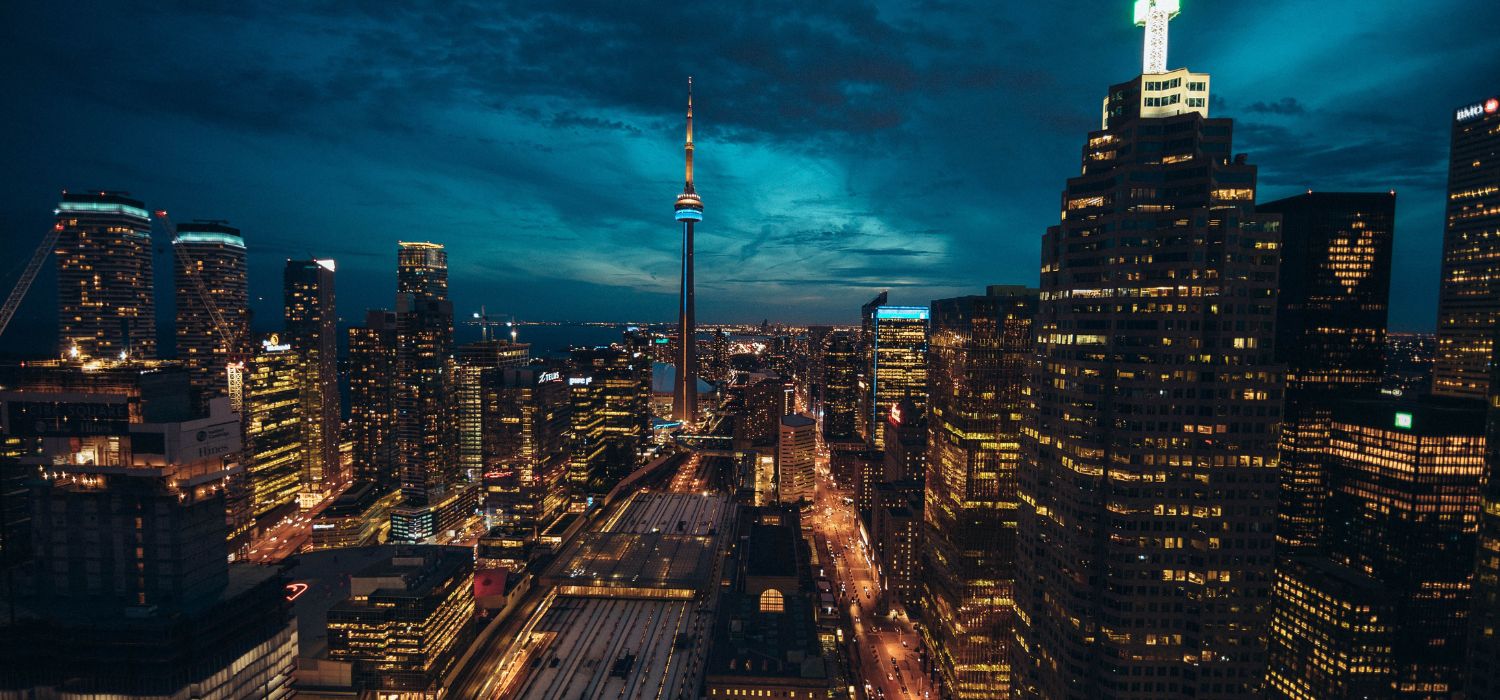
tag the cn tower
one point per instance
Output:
(689, 209)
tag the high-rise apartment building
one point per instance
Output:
(272, 419)
(980, 347)
(1405, 494)
(213, 313)
(1148, 480)
(1469, 290)
(1330, 334)
(526, 449)
(372, 398)
(424, 348)
(898, 363)
(796, 458)
(311, 323)
(105, 302)
(841, 363)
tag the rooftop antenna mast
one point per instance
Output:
(1155, 15)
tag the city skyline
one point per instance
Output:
(379, 148)
(1180, 450)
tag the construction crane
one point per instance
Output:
(482, 319)
(28, 275)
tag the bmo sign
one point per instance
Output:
(1478, 109)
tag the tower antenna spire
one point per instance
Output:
(689, 144)
(1154, 15)
(688, 211)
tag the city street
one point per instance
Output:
(887, 662)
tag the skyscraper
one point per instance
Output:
(105, 305)
(214, 254)
(980, 349)
(865, 411)
(841, 362)
(1484, 627)
(1330, 333)
(1148, 476)
(1469, 290)
(475, 399)
(525, 449)
(796, 458)
(611, 416)
(898, 363)
(372, 397)
(688, 210)
(273, 429)
(1405, 492)
(424, 346)
(310, 327)
(422, 270)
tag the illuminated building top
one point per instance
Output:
(1155, 15)
(689, 206)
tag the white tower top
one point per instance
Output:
(1154, 15)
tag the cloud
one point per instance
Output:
(843, 146)
(1286, 105)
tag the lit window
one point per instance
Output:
(771, 601)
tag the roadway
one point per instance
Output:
(288, 536)
(885, 659)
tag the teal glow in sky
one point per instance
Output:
(842, 148)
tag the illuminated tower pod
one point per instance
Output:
(1146, 490)
(689, 210)
(105, 306)
(214, 253)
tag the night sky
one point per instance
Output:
(843, 148)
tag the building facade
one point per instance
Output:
(1469, 290)
(311, 322)
(132, 593)
(372, 398)
(898, 363)
(1148, 480)
(274, 450)
(1484, 628)
(211, 289)
(1406, 489)
(425, 453)
(978, 357)
(105, 301)
(796, 458)
(1332, 632)
(1330, 334)
(840, 387)
(407, 620)
(610, 392)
